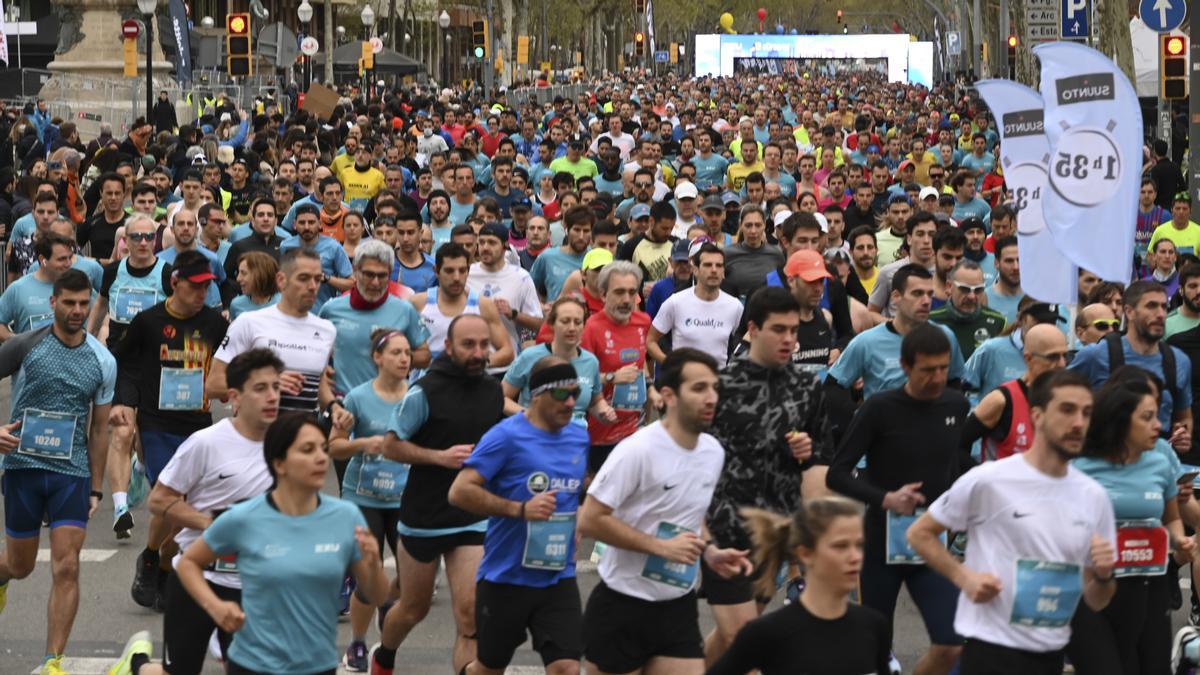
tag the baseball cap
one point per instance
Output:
(197, 273)
(808, 265)
(695, 244)
(872, 148)
(731, 197)
(712, 202)
(520, 203)
(639, 211)
(596, 258)
(927, 192)
(971, 223)
(679, 251)
(906, 164)
(686, 190)
(897, 198)
(494, 230)
(822, 221)
(1043, 312)
(780, 217)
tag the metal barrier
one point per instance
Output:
(544, 95)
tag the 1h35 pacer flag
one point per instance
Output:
(1094, 125)
(1046, 274)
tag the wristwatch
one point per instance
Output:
(513, 314)
(609, 377)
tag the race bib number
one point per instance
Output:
(898, 550)
(227, 564)
(630, 396)
(547, 542)
(380, 478)
(666, 572)
(1142, 547)
(181, 389)
(128, 302)
(1045, 593)
(38, 320)
(47, 434)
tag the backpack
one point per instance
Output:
(1116, 359)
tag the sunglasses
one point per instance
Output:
(561, 394)
(140, 236)
(964, 288)
(643, 185)
(1106, 324)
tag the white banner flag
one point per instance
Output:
(650, 25)
(3, 35)
(1046, 274)
(1094, 125)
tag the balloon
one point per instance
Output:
(727, 21)
(762, 14)
(779, 28)
(794, 32)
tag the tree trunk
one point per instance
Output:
(505, 11)
(1115, 40)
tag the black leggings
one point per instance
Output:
(1131, 636)
(234, 669)
(187, 627)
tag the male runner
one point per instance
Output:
(25, 304)
(452, 297)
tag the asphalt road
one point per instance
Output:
(107, 614)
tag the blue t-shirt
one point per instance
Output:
(334, 263)
(213, 297)
(1138, 491)
(1092, 361)
(994, 362)
(460, 212)
(84, 264)
(551, 269)
(352, 346)
(874, 355)
(383, 480)
(518, 461)
(1005, 304)
(710, 171)
(242, 304)
(25, 304)
(292, 569)
(587, 370)
(420, 278)
(976, 208)
(53, 390)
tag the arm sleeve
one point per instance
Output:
(665, 319)
(410, 415)
(880, 294)
(7, 311)
(858, 438)
(237, 340)
(954, 506)
(619, 478)
(128, 352)
(15, 349)
(849, 366)
(108, 370)
(222, 535)
(488, 455)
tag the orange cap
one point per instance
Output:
(808, 265)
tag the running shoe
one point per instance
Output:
(122, 522)
(4, 597)
(894, 664)
(355, 659)
(139, 643)
(1184, 649)
(377, 669)
(145, 582)
(53, 666)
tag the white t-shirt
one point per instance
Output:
(513, 284)
(649, 480)
(703, 324)
(1012, 512)
(303, 344)
(216, 468)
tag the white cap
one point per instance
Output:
(686, 190)
(780, 217)
(226, 117)
(927, 192)
(823, 222)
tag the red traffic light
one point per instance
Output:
(1012, 40)
(237, 24)
(1174, 46)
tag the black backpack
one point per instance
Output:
(1116, 359)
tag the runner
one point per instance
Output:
(335, 265)
(452, 298)
(749, 261)
(302, 341)
(1041, 536)
(132, 284)
(909, 437)
(1001, 358)
(442, 417)
(648, 504)
(508, 285)
(53, 454)
(25, 304)
(212, 470)
(771, 420)
(526, 474)
(370, 481)
(704, 317)
(185, 239)
(554, 265)
(824, 632)
(971, 321)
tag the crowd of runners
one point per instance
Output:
(735, 340)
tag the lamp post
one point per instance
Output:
(146, 7)
(368, 19)
(444, 23)
(305, 13)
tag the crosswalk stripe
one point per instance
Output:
(86, 555)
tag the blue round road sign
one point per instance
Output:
(1163, 16)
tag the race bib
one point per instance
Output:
(181, 389)
(666, 572)
(548, 541)
(898, 550)
(1045, 593)
(1142, 547)
(47, 434)
(227, 564)
(38, 320)
(630, 396)
(127, 302)
(380, 478)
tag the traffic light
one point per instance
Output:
(1174, 67)
(639, 6)
(1012, 48)
(479, 38)
(839, 15)
(239, 60)
(639, 44)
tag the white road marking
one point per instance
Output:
(86, 555)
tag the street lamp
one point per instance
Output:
(305, 13)
(146, 7)
(368, 19)
(444, 23)
(207, 22)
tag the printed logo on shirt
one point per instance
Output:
(169, 332)
(327, 548)
(276, 550)
(951, 421)
(704, 323)
(629, 355)
(538, 482)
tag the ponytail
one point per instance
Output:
(774, 537)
